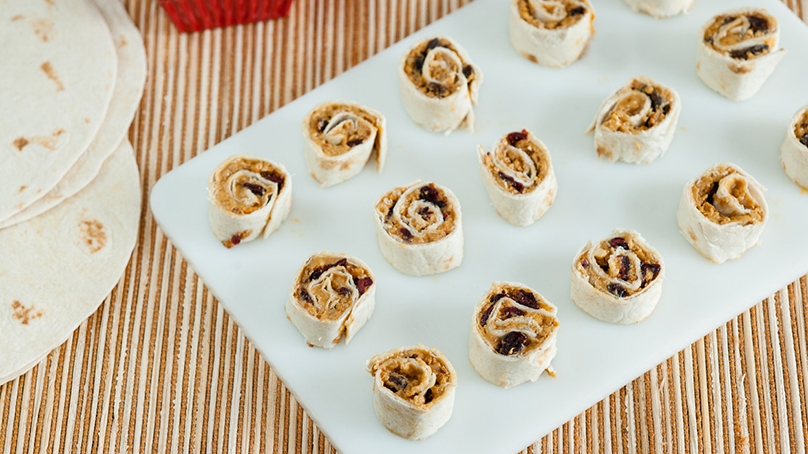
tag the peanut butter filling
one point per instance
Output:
(419, 216)
(529, 167)
(620, 266)
(801, 129)
(443, 69)
(510, 314)
(642, 106)
(329, 285)
(415, 375)
(243, 186)
(722, 195)
(742, 36)
(349, 131)
(556, 14)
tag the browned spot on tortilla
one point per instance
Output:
(17, 17)
(692, 235)
(47, 142)
(603, 151)
(86, 120)
(345, 166)
(328, 165)
(741, 69)
(49, 2)
(22, 188)
(121, 41)
(24, 314)
(94, 235)
(43, 28)
(532, 58)
(20, 143)
(47, 68)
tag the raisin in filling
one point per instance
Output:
(337, 128)
(414, 375)
(742, 37)
(723, 196)
(418, 214)
(275, 177)
(244, 185)
(622, 268)
(640, 106)
(515, 320)
(518, 163)
(442, 78)
(553, 14)
(330, 296)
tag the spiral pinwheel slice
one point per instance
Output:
(618, 279)
(518, 175)
(419, 228)
(637, 123)
(722, 213)
(413, 390)
(331, 299)
(439, 84)
(794, 151)
(340, 137)
(738, 50)
(513, 335)
(248, 196)
(551, 33)
(660, 8)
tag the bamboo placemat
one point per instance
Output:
(162, 368)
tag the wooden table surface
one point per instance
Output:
(160, 367)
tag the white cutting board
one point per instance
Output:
(594, 358)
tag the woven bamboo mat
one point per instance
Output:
(162, 368)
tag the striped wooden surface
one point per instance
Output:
(162, 368)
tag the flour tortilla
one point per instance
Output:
(131, 76)
(508, 371)
(421, 259)
(330, 170)
(56, 82)
(720, 242)
(737, 79)
(441, 114)
(555, 48)
(56, 269)
(228, 221)
(640, 147)
(525, 208)
(402, 416)
(794, 155)
(319, 331)
(604, 305)
(660, 9)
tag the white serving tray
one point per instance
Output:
(594, 359)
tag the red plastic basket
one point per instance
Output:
(195, 15)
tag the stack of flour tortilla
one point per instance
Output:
(71, 79)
